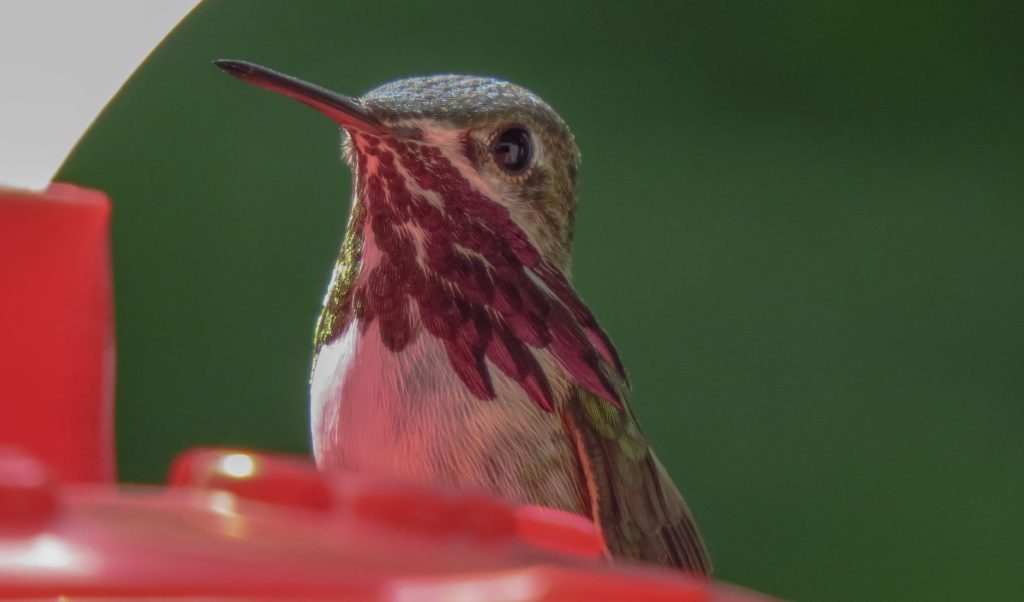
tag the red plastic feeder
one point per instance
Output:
(241, 525)
(56, 330)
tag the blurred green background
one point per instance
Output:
(800, 222)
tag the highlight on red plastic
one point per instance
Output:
(28, 495)
(56, 329)
(270, 478)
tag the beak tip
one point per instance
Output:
(344, 110)
(234, 67)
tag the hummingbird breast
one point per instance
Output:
(407, 416)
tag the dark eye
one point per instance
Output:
(512, 150)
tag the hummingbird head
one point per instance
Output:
(510, 145)
(504, 140)
(461, 225)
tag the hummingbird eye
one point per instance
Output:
(512, 150)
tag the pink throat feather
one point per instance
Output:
(465, 272)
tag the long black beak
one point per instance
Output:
(346, 111)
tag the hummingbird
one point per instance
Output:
(452, 350)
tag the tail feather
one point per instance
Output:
(641, 514)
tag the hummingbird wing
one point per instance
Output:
(634, 502)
